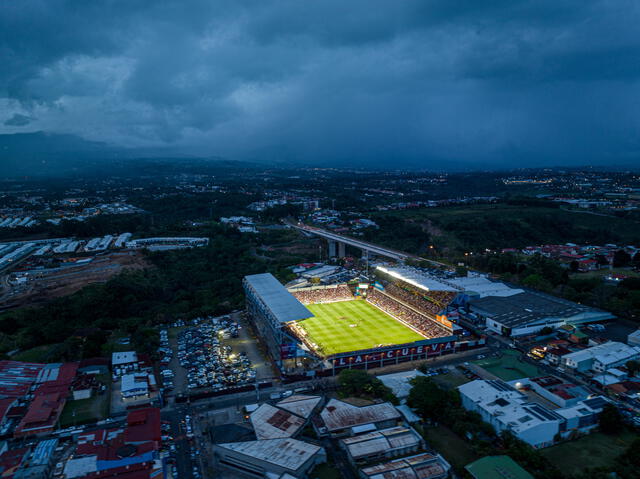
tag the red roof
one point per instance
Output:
(143, 425)
(5, 405)
(42, 415)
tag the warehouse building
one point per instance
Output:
(269, 458)
(341, 419)
(530, 311)
(421, 466)
(381, 445)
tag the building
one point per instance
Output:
(400, 383)
(270, 307)
(340, 419)
(633, 339)
(124, 358)
(269, 458)
(135, 385)
(270, 422)
(421, 466)
(38, 463)
(602, 357)
(492, 467)
(530, 311)
(380, 445)
(554, 389)
(42, 415)
(300, 405)
(508, 409)
(106, 453)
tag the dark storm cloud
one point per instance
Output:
(414, 81)
(18, 120)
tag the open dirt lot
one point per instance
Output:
(47, 284)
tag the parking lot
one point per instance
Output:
(207, 360)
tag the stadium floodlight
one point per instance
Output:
(402, 277)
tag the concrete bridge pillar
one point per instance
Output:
(341, 250)
(332, 249)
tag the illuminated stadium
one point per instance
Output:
(356, 325)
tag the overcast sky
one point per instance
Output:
(393, 81)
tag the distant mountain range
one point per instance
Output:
(49, 155)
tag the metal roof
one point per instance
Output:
(287, 453)
(284, 306)
(271, 423)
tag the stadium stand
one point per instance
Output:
(426, 326)
(432, 302)
(324, 295)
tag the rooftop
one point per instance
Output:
(340, 415)
(497, 467)
(287, 453)
(421, 466)
(271, 422)
(125, 357)
(300, 405)
(606, 353)
(399, 383)
(380, 441)
(282, 304)
(531, 307)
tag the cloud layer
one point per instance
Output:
(410, 82)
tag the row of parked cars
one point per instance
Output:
(208, 361)
(166, 354)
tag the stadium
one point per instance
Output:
(327, 328)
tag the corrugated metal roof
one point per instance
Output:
(284, 306)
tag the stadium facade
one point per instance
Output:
(279, 317)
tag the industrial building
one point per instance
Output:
(530, 311)
(380, 445)
(341, 419)
(420, 466)
(269, 458)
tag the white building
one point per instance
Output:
(135, 385)
(507, 409)
(602, 357)
(383, 444)
(400, 383)
(634, 338)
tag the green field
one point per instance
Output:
(331, 327)
(508, 367)
(594, 450)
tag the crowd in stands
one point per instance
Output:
(428, 327)
(439, 299)
(324, 295)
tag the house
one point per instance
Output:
(384, 444)
(601, 357)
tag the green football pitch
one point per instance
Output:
(353, 325)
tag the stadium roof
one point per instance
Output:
(492, 467)
(284, 306)
(418, 278)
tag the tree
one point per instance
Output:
(611, 420)
(357, 382)
(633, 366)
(536, 281)
(621, 258)
(430, 400)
